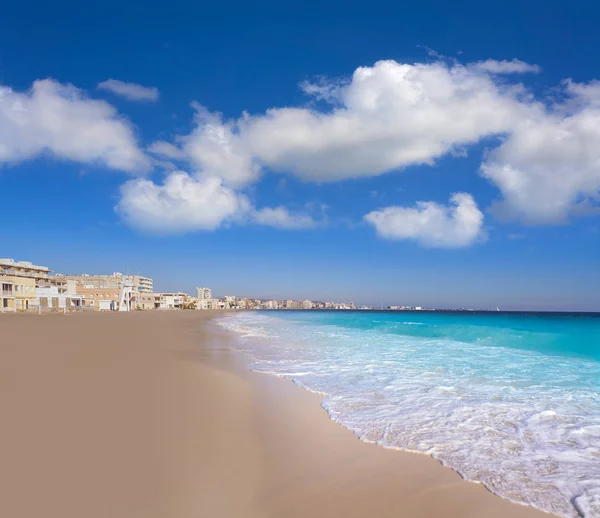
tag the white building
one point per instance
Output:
(54, 297)
(171, 300)
(204, 293)
(307, 304)
(207, 304)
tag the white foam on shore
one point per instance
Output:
(524, 424)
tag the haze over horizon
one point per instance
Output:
(435, 156)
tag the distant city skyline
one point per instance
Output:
(425, 155)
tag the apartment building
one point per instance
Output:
(140, 283)
(102, 292)
(172, 300)
(19, 280)
(149, 301)
(56, 297)
(100, 299)
(204, 293)
(207, 304)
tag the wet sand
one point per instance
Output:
(149, 414)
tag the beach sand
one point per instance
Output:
(149, 414)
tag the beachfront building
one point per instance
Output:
(99, 299)
(148, 301)
(7, 294)
(209, 304)
(204, 299)
(172, 300)
(19, 280)
(57, 297)
(101, 292)
(140, 283)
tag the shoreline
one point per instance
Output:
(149, 415)
(244, 370)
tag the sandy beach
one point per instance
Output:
(149, 414)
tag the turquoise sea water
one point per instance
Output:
(511, 400)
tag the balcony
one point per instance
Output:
(7, 293)
(19, 273)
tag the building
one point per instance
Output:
(140, 284)
(100, 299)
(172, 300)
(204, 293)
(7, 294)
(54, 297)
(102, 292)
(149, 301)
(19, 280)
(306, 304)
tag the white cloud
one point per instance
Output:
(432, 225)
(514, 66)
(216, 149)
(59, 119)
(166, 150)
(548, 168)
(389, 116)
(131, 91)
(323, 89)
(386, 117)
(280, 217)
(187, 203)
(182, 203)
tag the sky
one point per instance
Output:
(432, 153)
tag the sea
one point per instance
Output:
(508, 400)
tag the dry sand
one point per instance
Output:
(148, 415)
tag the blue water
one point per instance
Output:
(510, 400)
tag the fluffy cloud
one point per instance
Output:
(432, 225)
(131, 91)
(216, 148)
(184, 203)
(515, 66)
(59, 119)
(388, 116)
(280, 217)
(548, 168)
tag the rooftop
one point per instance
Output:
(21, 264)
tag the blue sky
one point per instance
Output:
(429, 154)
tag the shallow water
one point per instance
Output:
(508, 400)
